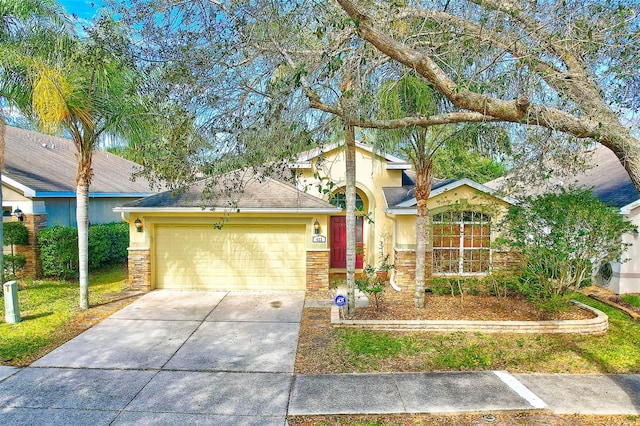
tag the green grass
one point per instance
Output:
(617, 351)
(632, 299)
(45, 308)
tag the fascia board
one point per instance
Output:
(458, 183)
(402, 212)
(225, 210)
(629, 207)
(69, 194)
(26, 191)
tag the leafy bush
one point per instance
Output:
(99, 246)
(563, 239)
(59, 248)
(15, 233)
(119, 233)
(13, 263)
(108, 244)
(371, 284)
(59, 251)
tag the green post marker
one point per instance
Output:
(11, 309)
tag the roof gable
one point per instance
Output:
(305, 159)
(439, 187)
(45, 166)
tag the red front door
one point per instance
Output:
(338, 225)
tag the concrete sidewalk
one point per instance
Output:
(227, 358)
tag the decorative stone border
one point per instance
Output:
(599, 324)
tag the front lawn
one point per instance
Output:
(342, 350)
(51, 316)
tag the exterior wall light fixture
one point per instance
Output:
(138, 224)
(19, 214)
(316, 227)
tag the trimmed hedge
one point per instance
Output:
(59, 248)
(59, 251)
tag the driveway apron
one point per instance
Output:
(171, 357)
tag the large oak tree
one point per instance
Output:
(565, 67)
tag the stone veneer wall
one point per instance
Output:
(405, 263)
(139, 269)
(34, 223)
(505, 261)
(317, 269)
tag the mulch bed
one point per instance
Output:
(399, 305)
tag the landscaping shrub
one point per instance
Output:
(119, 233)
(99, 246)
(563, 238)
(15, 233)
(59, 248)
(13, 264)
(371, 284)
(59, 251)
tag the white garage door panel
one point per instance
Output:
(252, 257)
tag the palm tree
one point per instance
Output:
(84, 88)
(21, 20)
(408, 96)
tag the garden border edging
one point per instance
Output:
(599, 324)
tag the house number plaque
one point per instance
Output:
(319, 239)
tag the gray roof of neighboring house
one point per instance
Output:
(45, 166)
(605, 175)
(258, 193)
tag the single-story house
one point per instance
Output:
(611, 184)
(38, 184)
(280, 235)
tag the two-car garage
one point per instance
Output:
(234, 257)
(262, 237)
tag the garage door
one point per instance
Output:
(264, 257)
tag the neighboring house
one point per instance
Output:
(38, 183)
(611, 184)
(277, 235)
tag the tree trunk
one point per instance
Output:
(423, 189)
(350, 195)
(3, 129)
(82, 217)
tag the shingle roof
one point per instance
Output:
(397, 195)
(258, 193)
(605, 174)
(47, 165)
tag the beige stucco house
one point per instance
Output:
(280, 235)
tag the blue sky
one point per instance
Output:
(84, 9)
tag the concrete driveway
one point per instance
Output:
(221, 358)
(171, 357)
